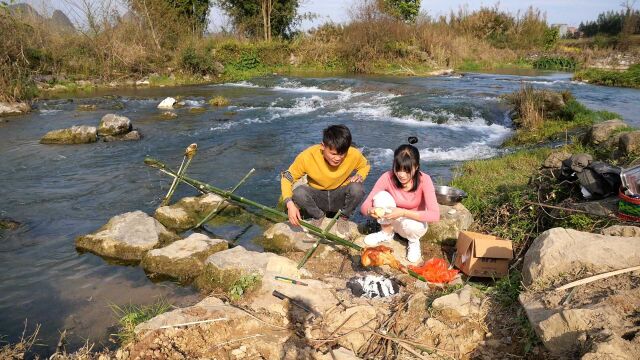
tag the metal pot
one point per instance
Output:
(448, 195)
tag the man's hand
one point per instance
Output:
(355, 179)
(294, 213)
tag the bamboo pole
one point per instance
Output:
(204, 187)
(215, 211)
(315, 245)
(189, 153)
(597, 277)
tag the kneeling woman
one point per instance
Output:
(403, 201)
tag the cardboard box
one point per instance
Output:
(483, 255)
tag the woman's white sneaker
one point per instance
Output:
(414, 252)
(376, 238)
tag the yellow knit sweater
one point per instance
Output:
(319, 173)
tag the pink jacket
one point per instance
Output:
(423, 200)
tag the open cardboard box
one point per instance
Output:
(483, 255)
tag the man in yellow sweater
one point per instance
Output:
(335, 172)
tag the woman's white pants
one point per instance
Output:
(409, 229)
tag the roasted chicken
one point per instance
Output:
(380, 255)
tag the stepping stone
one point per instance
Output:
(127, 237)
(183, 259)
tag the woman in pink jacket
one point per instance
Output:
(403, 201)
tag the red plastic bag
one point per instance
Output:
(435, 270)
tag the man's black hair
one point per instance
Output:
(337, 137)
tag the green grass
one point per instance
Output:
(490, 181)
(628, 78)
(130, 316)
(242, 285)
(507, 289)
(555, 63)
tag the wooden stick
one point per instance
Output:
(192, 323)
(597, 277)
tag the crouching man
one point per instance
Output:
(335, 171)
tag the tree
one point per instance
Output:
(186, 13)
(405, 10)
(196, 11)
(262, 18)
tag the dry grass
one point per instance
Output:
(528, 106)
(157, 40)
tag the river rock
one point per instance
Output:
(168, 115)
(112, 124)
(453, 219)
(127, 237)
(600, 132)
(465, 302)
(74, 135)
(555, 159)
(133, 135)
(87, 107)
(560, 250)
(17, 108)
(223, 268)
(187, 212)
(9, 224)
(183, 259)
(167, 103)
(629, 142)
(286, 237)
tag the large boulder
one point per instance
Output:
(600, 132)
(74, 135)
(187, 212)
(629, 142)
(282, 237)
(127, 237)
(592, 317)
(183, 259)
(558, 250)
(453, 219)
(214, 330)
(112, 124)
(14, 108)
(224, 268)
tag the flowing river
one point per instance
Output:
(61, 192)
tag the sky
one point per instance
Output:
(570, 12)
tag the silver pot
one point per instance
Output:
(448, 195)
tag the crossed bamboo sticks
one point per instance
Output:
(179, 176)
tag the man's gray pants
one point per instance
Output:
(318, 202)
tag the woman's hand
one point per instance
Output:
(395, 213)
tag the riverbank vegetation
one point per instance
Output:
(166, 44)
(626, 78)
(544, 115)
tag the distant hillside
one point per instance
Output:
(58, 19)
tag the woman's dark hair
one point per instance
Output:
(337, 137)
(406, 158)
